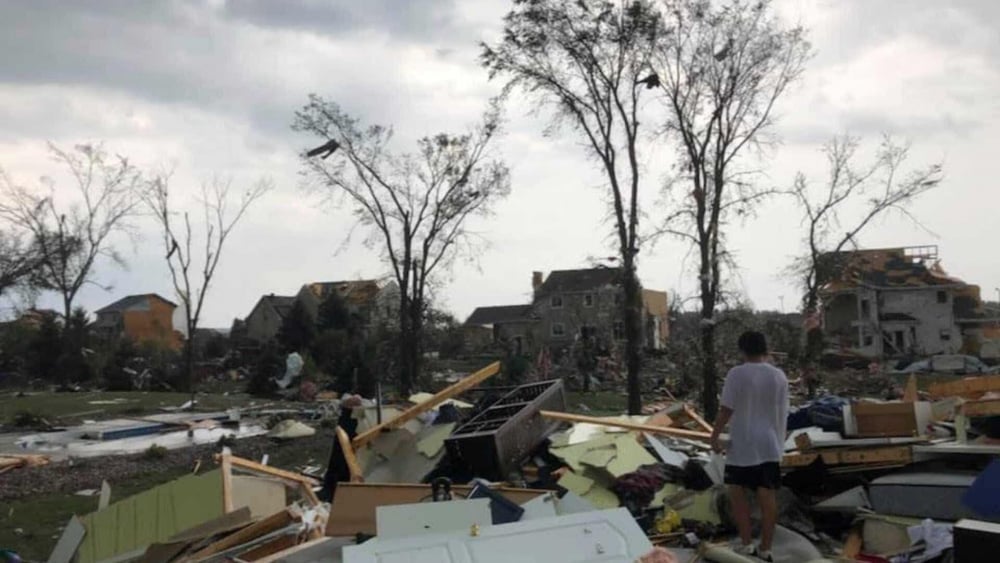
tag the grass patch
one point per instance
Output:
(599, 403)
(73, 407)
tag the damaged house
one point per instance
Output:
(899, 302)
(569, 305)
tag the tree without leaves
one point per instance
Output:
(414, 205)
(874, 189)
(191, 282)
(18, 261)
(722, 68)
(69, 237)
(589, 60)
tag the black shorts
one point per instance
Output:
(763, 476)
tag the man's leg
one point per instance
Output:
(741, 512)
(768, 502)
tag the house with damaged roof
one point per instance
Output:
(899, 302)
(569, 306)
(373, 302)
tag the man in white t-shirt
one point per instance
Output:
(755, 405)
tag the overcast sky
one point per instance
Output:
(210, 88)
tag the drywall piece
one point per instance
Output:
(610, 536)
(425, 518)
(848, 501)
(976, 541)
(668, 456)
(661, 496)
(629, 457)
(418, 398)
(702, 508)
(572, 454)
(541, 507)
(263, 496)
(599, 457)
(922, 495)
(354, 504)
(589, 490)
(886, 534)
(105, 499)
(290, 429)
(69, 541)
(432, 441)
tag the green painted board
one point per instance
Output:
(151, 516)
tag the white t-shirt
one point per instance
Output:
(758, 395)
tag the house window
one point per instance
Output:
(588, 300)
(558, 330)
(619, 331)
(942, 297)
(556, 302)
(868, 340)
(865, 308)
(945, 335)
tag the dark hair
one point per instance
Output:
(753, 343)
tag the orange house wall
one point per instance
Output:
(154, 325)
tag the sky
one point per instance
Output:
(209, 89)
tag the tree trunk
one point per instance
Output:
(710, 385)
(813, 348)
(411, 328)
(189, 362)
(633, 337)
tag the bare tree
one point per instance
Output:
(869, 191)
(589, 61)
(70, 236)
(18, 261)
(722, 67)
(220, 214)
(415, 206)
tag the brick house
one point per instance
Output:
(140, 318)
(572, 304)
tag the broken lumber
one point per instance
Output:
(349, 456)
(268, 470)
(441, 396)
(985, 407)
(849, 456)
(674, 432)
(268, 525)
(910, 394)
(693, 415)
(805, 442)
(969, 387)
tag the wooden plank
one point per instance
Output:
(676, 432)
(846, 456)
(270, 524)
(969, 387)
(910, 394)
(852, 547)
(227, 482)
(352, 460)
(441, 396)
(985, 407)
(805, 442)
(885, 419)
(268, 470)
(279, 544)
(693, 415)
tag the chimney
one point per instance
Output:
(536, 281)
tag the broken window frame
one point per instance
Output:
(556, 302)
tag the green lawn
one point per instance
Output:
(72, 407)
(599, 403)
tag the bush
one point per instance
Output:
(155, 452)
(26, 419)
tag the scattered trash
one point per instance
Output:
(290, 429)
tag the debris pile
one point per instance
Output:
(508, 475)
